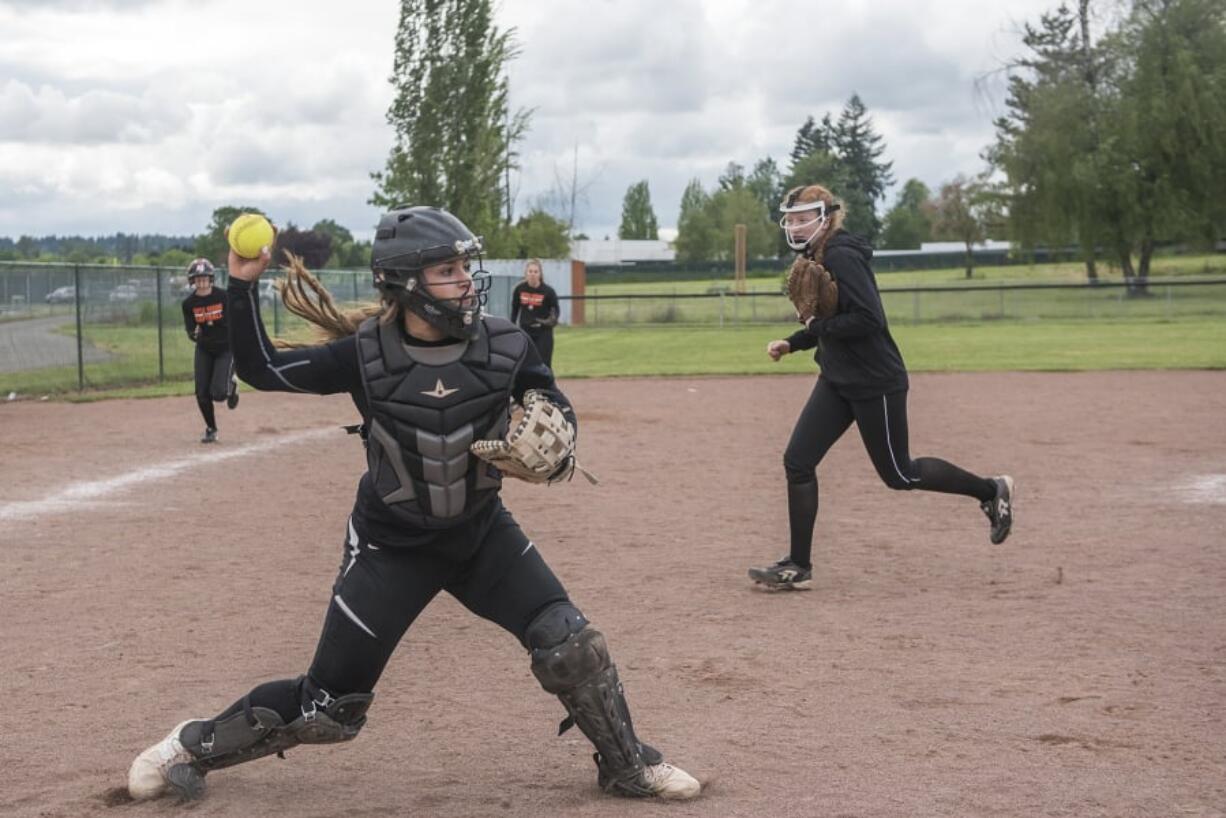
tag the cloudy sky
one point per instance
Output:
(141, 116)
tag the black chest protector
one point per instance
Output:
(426, 405)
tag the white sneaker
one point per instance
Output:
(147, 777)
(667, 781)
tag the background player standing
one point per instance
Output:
(430, 375)
(204, 319)
(863, 380)
(534, 306)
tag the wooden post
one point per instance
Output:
(578, 286)
(740, 258)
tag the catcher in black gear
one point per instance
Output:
(433, 378)
(863, 380)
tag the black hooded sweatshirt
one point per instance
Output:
(855, 351)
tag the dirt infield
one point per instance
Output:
(1078, 670)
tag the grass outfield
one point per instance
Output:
(675, 351)
(1046, 346)
(1070, 272)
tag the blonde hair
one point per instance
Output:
(540, 268)
(807, 194)
(307, 298)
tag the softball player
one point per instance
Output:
(534, 307)
(204, 319)
(430, 374)
(863, 380)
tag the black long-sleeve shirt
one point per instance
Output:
(204, 319)
(534, 308)
(855, 350)
(333, 367)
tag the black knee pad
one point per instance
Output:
(571, 665)
(553, 626)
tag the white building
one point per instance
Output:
(621, 251)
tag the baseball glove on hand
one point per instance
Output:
(812, 290)
(541, 447)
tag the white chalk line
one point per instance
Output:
(88, 494)
(1205, 489)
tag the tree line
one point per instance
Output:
(1115, 145)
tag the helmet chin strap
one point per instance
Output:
(456, 322)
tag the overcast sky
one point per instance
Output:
(142, 116)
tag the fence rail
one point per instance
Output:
(73, 327)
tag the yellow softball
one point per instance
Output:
(249, 234)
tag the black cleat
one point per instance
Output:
(232, 395)
(185, 781)
(1000, 509)
(210, 436)
(784, 575)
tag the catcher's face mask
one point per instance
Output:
(803, 222)
(422, 257)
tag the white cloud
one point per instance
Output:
(144, 116)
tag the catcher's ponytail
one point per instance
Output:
(304, 296)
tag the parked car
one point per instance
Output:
(268, 293)
(124, 292)
(62, 295)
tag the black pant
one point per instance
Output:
(882, 422)
(542, 339)
(214, 374)
(380, 591)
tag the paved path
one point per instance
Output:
(35, 344)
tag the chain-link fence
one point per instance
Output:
(69, 327)
(66, 327)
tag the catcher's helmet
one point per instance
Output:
(200, 267)
(410, 239)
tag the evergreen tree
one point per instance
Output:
(859, 149)
(638, 217)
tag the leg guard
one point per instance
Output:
(577, 668)
(255, 732)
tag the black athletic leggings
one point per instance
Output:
(882, 422)
(542, 339)
(214, 371)
(380, 591)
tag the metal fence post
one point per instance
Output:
(76, 278)
(915, 310)
(355, 286)
(1002, 301)
(721, 308)
(1168, 302)
(161, 359)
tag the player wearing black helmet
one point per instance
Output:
(204, 320)
(430, 375)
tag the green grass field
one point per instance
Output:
(1162, 266)
(1188, 343)
(764, 301)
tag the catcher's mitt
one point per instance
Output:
(541, 447)
(812, 290)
